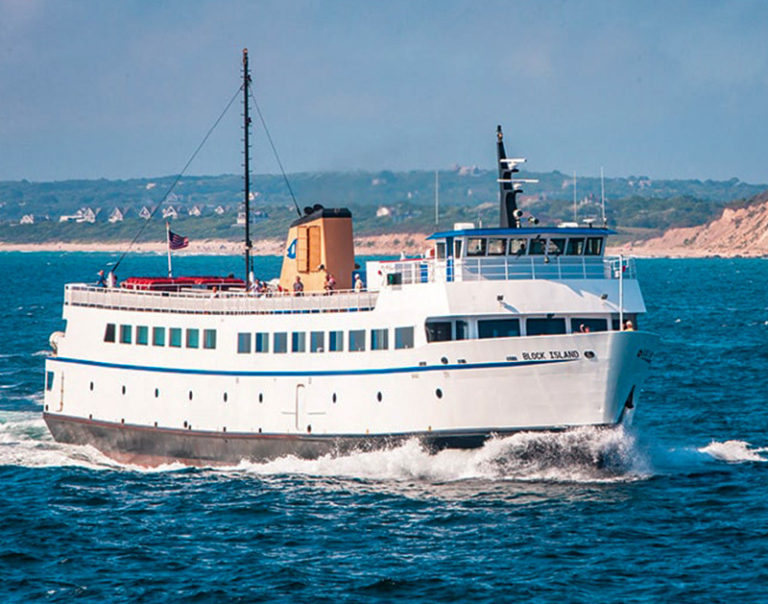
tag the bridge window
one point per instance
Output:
(498, 328)
(49, 380)
(538, 247)
(209, 339)
(575, 246)
(438, 331)
(356, 340)
(298, 341)
(174, 337)
(594, 246)
(243, 342)
(280, 342)
(583, 325)
(403, 337)
(109, 333)
(556, 246)
(158, 336)
(142, 335)
(544, 327)
(457, 248)
(336, 341)
(476, 246)
(262, 342)
(440, 250)
(517, 247)
(125, 334)
(379, 339)
(497, 247)
(316, 341)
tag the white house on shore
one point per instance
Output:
(27, 219)
(82, 215)
(116, 216)
(170, 212)
(145, 213)
(195, 211)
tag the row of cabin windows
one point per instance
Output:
(297, 341)
(160, 336)
(541, 246)
(441, 331)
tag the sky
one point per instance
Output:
(97, 89)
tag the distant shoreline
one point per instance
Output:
(412, 244)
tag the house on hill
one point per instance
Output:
(145, 213)
(219, 210)
(82, 215)
(116, 216)
(27, 219)
(170, 212)
(195, 211)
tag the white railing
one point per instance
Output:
(505, 268)
(224, 302)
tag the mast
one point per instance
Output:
(246, 167)
(509, 188)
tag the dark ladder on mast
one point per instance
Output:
(246, 159)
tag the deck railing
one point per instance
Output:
(219, 303)
(505, 268)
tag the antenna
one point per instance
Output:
(602, 193)
(575, 218)
(246, 162)
(437, 198)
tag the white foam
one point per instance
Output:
(581, 455)
(734, 451)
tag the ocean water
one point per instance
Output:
(671, 508)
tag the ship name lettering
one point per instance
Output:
(563, 354)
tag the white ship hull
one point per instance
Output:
(448, 394)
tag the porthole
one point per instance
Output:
(185, 423)
(589, 354)
(122, 421)
(439, 393)
(444, 360)
(261, 397)
(333, 398)
(157, 392)
(378, 396)
(123, 389)
(309, 429)
(190, 395)
(225, 397)
(155, 424)
(90, 416)
(91, 386)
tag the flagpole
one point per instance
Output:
(168, 245)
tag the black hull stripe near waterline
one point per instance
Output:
(147, 445)
(331, 372)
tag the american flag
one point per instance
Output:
(177, 242)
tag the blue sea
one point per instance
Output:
(673, 507)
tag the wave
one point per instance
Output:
(734, 451)
(581, 455)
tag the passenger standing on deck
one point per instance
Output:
(298, 287)
(330, 282)
(358, 283)
(101, 282)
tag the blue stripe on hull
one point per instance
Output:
(330, 372)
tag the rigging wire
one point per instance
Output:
(274, 150)
(178, 178)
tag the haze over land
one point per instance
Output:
(366, 100)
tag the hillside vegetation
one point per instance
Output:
(381, 202)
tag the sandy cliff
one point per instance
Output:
(737, 232)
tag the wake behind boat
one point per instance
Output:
(492, 331)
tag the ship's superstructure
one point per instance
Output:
(494, 330)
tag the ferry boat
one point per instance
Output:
(493, 331)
